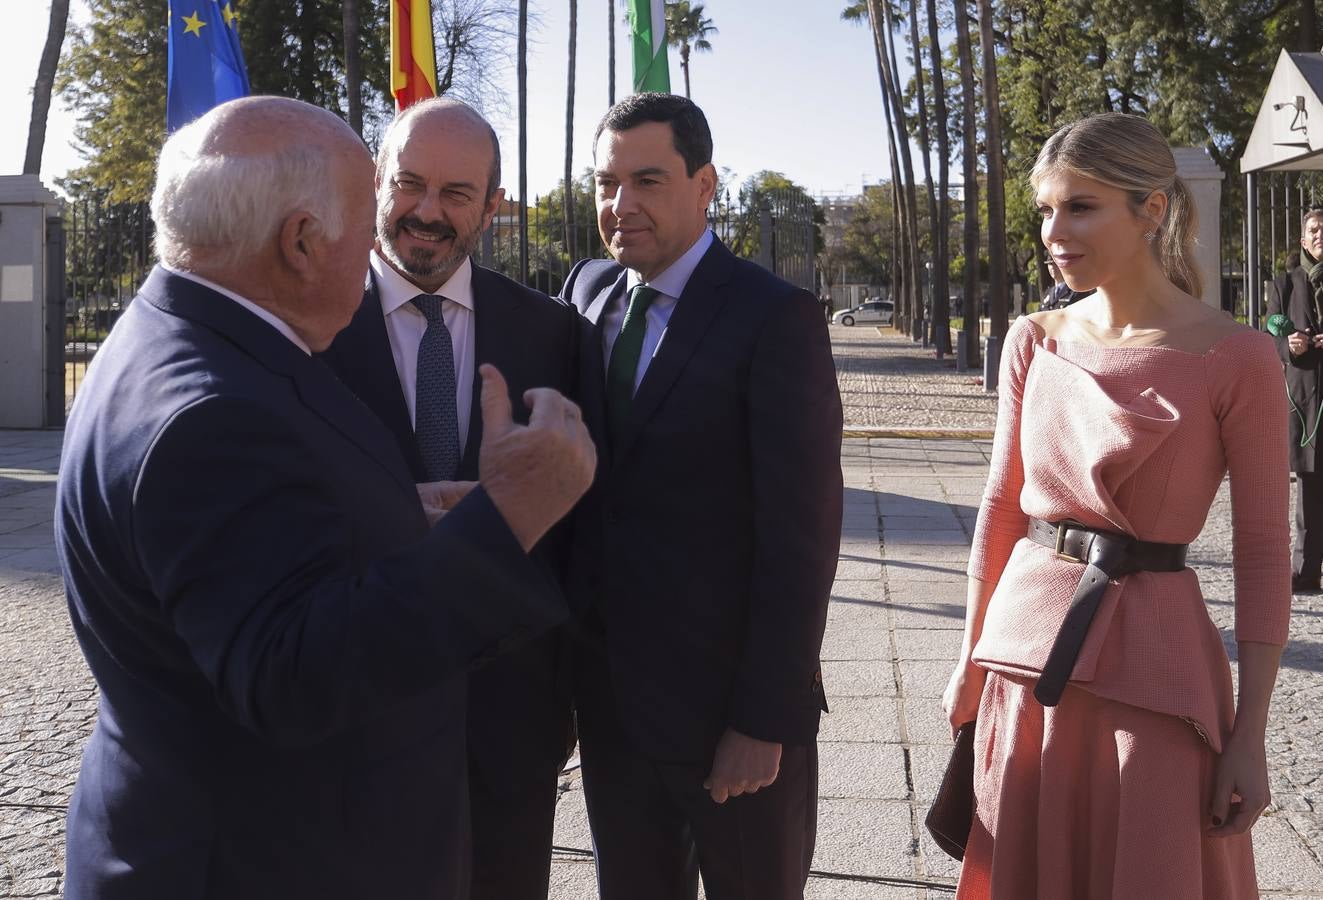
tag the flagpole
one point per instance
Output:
(522, 76)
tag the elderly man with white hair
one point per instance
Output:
(279, 634)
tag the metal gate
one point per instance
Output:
(108, 253)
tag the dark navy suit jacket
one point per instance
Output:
(278, 636)
(519, 703)
(708, 543)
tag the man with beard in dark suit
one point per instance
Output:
(429, 317)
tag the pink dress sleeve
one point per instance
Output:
(1001, 521)
(1249, 402)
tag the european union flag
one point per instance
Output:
(205, 61)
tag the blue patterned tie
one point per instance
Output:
(436, 421)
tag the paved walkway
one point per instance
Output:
(888, 382)
(893, 631)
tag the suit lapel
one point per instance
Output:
(596, 308)
(592, 362)
(363, 358)
(492, 310)
(694, 311)
(331, 399)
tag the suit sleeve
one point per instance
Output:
(794, 411)
(253, 563)
(1282, 290)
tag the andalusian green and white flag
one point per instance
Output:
(647, 26)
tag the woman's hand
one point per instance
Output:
(963, 692)
(1242, 770)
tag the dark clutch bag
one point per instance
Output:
(951, 817)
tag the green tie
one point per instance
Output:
(625, 359)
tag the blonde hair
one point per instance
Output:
(1127, 152)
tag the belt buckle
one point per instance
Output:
(1059, 552)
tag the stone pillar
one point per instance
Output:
(24, 205)
(1203, 176)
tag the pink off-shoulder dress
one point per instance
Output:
(1106, 794)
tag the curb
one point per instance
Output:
(928, 434)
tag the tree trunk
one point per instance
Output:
(610, 53)
(1307, 32)
(521, 75)
(898, 286)
(997, 288)
(353, 66)
(924, 142)
(41, 91)
(684, 66)
(567, 195)
(941, 249)
(972, 306)
(915, 300)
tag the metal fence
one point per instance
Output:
(109, 253)
(777, 228)
(1261, 244)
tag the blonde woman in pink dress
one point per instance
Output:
(1112, 759)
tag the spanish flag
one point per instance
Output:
(412, 53)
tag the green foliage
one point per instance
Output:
(1197, 69)
(687, 26)
(113, 75)
(547, 223)
(870, 237)
(787, 201)
(297, 50)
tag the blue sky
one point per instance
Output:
(788, 86)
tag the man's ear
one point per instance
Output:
(707, 183)
(299, 234)
(492, 205)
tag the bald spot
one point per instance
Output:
(441, 121)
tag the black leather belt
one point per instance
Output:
(1105, 555)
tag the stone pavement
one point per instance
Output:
(889, 383)
(893, 631)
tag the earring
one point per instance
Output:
(1150, 236)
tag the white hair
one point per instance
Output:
(224, 208)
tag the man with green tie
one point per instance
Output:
(704, 554)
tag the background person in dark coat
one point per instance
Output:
(705, 553)
(278, 635)
(1298, 294)
(438, 186)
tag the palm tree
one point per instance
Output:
(969, 125)
(941, 250)
(353, 66)
(41, 91)
(569, 133)
(865, 11)
(903, 140)
(922, 100)
(686, 28)
(997, 300)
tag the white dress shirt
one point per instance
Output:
(265, 315)
(405, 325)
(669, 285)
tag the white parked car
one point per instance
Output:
(878, 312)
